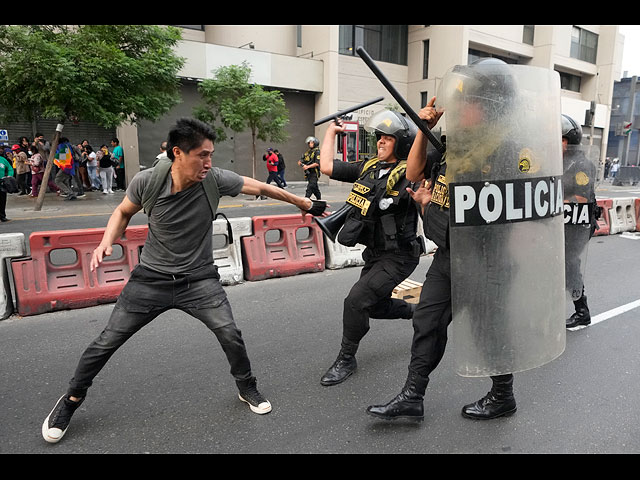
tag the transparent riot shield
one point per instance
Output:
(579, 179)
(504, 172)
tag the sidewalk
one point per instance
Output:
(21, 207)
(335, 193)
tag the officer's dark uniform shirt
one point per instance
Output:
(579, 176)
(391, 226)
(578, 184)
(309, 157)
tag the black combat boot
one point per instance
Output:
(498, 402)
(344, 365)
(408, 404)
(582, 315)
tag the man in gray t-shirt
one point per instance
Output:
(176, 268)
(180, 237)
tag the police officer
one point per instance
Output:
(434, 311)
(380, 215)
(310, 163)
(578, 188)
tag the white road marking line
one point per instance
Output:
(611, 313)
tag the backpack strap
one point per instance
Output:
(213, 194)
(161, 169)
(150, 195)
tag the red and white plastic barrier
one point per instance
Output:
(43, 283)
(57, 275)
(604, 222)
(298, 247)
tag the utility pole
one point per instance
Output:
(632, 108)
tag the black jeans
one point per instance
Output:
(370, 296)
(146, 295)
(273, 176)
(120, 183)
(432, 316)
(3, 204)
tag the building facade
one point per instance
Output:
(319, 73)
(624, 141)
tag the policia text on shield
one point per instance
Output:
(479, 203)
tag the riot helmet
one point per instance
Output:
(571, 130)
(313, 139)
(487, 82)
(387, 122)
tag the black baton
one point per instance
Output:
(421, 124)
(348, 110)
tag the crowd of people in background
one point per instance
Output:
(90, 169)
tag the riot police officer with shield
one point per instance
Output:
(580, 215)
(484, 100)
(379, 214)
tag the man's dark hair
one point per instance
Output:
(187, 134)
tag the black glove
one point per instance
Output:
(317, 207)
(597, 212)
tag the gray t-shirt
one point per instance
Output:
(180, 236)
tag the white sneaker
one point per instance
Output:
(57, 422)
(104, 192)
(257, 403)
(110, 192)
(260, 408)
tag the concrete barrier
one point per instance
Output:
(627, 176)
(338, 256)
(11, 246)
(623, 217)
(227, 248)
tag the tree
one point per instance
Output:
(105, 74)
(230, 98)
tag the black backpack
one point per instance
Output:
(9, 185)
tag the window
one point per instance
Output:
(584, 45)
(424, 99)
(386, 43)
(474, 55)
(570, 82)
(527, 34)
(368, 147)
(425, 59)
(191, 27)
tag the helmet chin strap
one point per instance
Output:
(387, 164)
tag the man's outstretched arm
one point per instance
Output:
(256, 187)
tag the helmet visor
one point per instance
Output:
(385, 122)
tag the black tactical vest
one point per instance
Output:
(309, 157)
(436, 213)
(389, 226)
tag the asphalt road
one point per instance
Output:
(168, 390)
